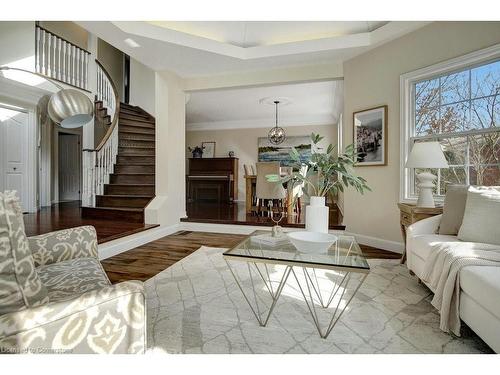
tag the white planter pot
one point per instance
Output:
(317, 215)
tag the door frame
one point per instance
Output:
(55, 159)
(30, 179)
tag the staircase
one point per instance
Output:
(132, 184)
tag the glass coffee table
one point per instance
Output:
(327, 282)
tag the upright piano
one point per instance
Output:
(212, 179)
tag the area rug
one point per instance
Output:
(195, 306)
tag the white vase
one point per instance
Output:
(317, 215)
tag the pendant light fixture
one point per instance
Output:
(277, 134)
(68, 108)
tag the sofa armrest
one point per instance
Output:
(53, 247)
(107, 320)
(425, 226)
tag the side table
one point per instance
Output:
(410, 214)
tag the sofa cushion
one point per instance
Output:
(481, 216)
(423, 243)
(70, 278)
(20, 286)
(453, 209)
(482, 284)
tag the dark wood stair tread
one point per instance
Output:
(125, 196)
(139, 147)
(131, 209)
(138, 138)
(128, 233)
(137, 118)
(131, 184)
(134, 174)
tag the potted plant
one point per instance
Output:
(326, 172)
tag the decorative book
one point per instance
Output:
(268, 240)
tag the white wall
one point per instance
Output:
(169, 204)
(17, 44)
(372, 79)
(142, 86)
(244, 143)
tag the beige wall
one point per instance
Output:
(68, 30)
(372, 79)
(244, 143)
(112, 59)
(169, 204)
(266, 77)
(142, 86)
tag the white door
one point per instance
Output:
(69, 167)
(14, 134)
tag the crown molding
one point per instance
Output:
(285, 122)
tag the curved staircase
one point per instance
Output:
(132, 182)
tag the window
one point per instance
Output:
(457, 104)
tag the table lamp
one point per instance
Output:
(426, 155)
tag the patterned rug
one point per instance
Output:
(195, 306)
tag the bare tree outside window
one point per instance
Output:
(461, 110)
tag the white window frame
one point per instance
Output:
(407, 107)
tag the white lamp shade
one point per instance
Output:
(426, 155)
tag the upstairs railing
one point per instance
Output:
(105, 90)
(60, 59)
(98, 163)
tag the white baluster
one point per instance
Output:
(77, 67)
(68, 59)
(59, 70)
(53, 57)
(63, 61)
(42, 51)
(86, 68)
(38, 54)
(49, 52)
(80, 67)
(73, 65)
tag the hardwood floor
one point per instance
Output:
(225, 213)
(148, 260)
(145, 261)
(68, 215)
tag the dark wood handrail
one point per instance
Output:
(114, 121)
(60, 37)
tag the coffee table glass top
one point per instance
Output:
(344, 253)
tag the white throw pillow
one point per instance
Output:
(481, 221)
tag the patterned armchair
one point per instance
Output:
(78, 310)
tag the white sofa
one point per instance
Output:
(480, 285)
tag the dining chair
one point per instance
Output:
(248, 169)
(268, 193)
(286, 171)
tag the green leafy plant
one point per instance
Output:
(327, 172)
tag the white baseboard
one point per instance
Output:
(395, 247)
(120, 245)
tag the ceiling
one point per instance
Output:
(314, 103)
(260, 33)
(193, 49)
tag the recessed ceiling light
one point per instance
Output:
(132, 43)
